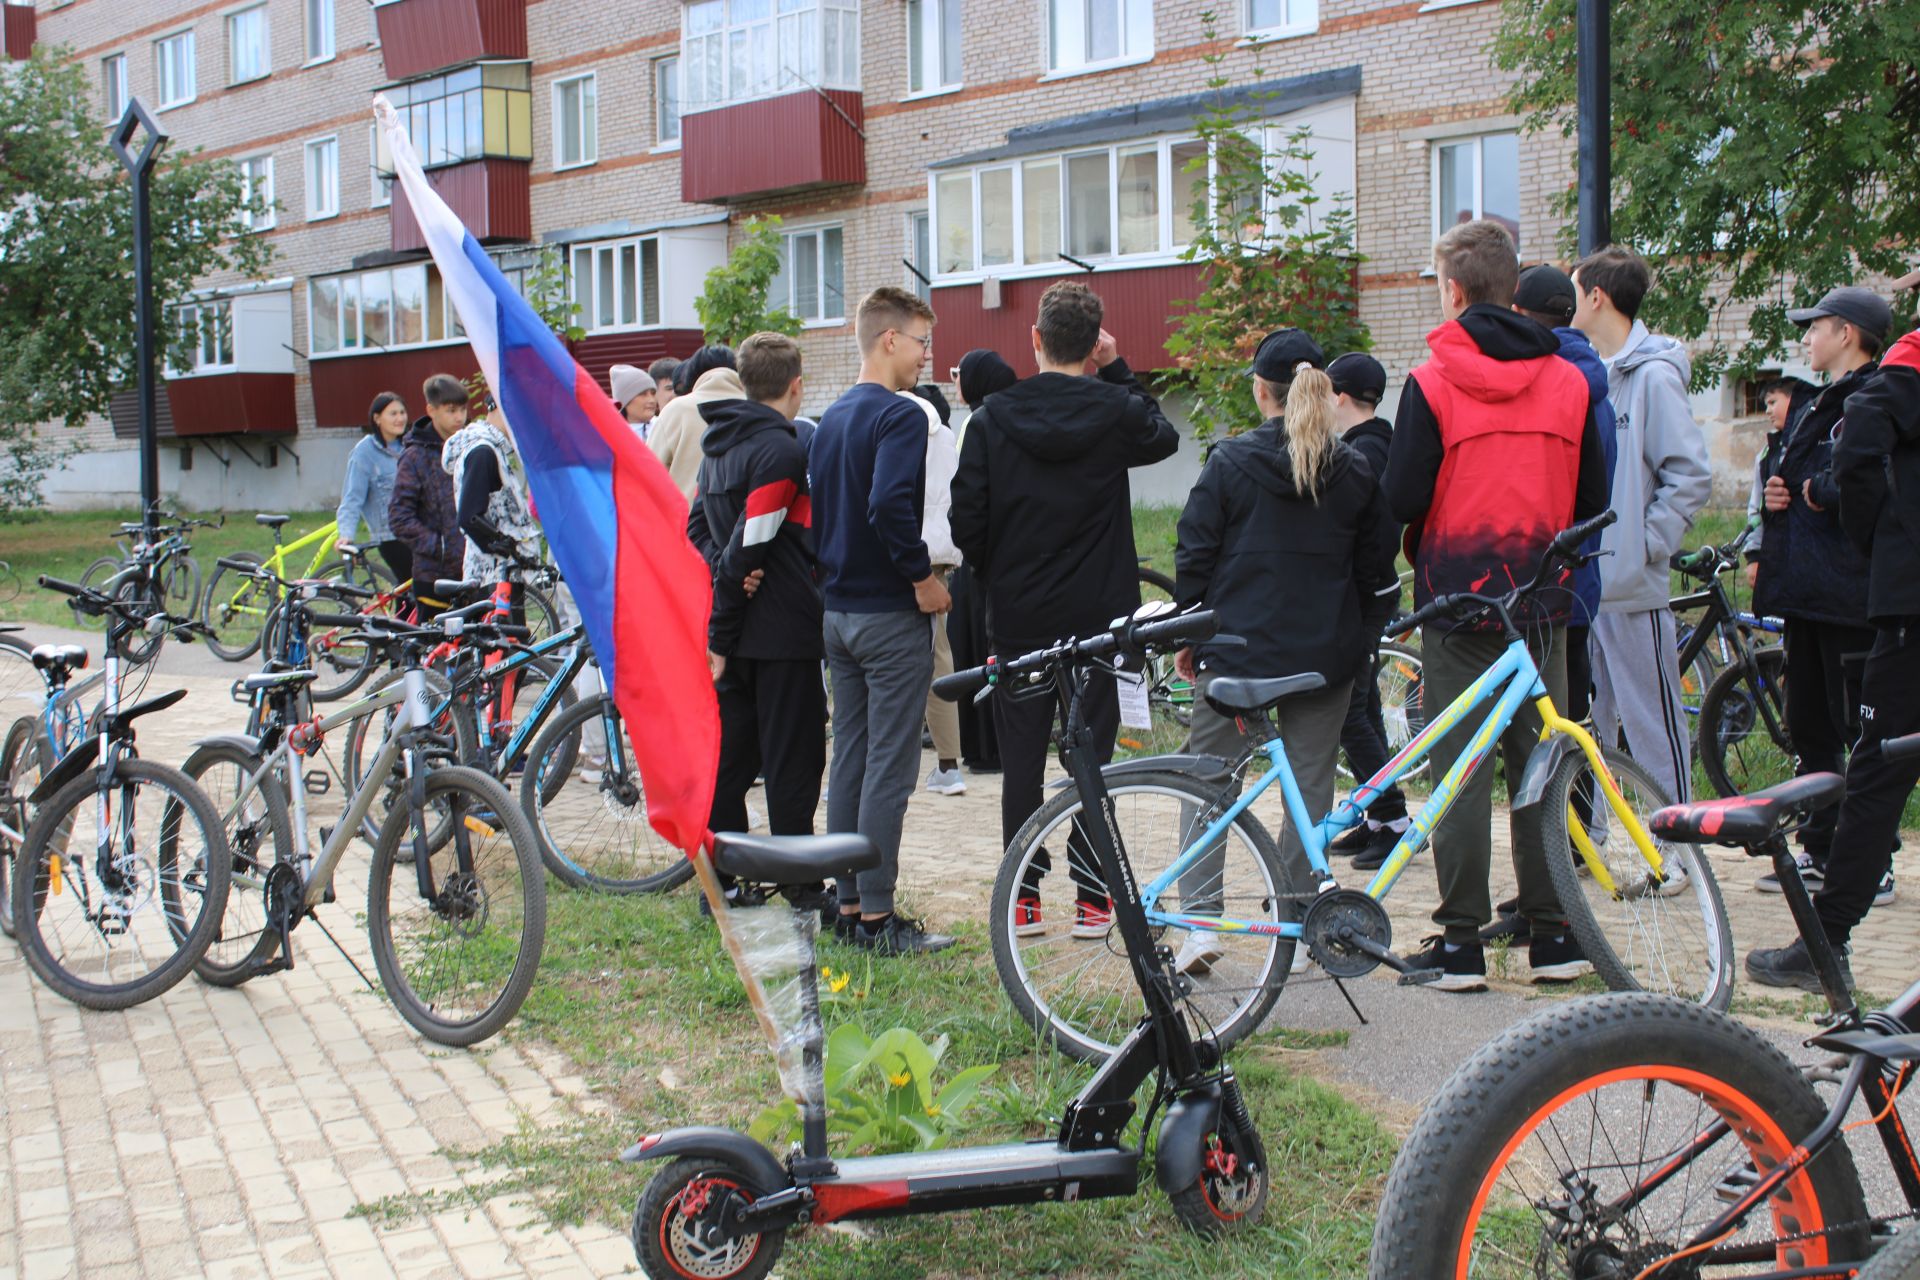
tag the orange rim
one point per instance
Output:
(1749, 1123)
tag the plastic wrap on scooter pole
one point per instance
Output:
(776, 946)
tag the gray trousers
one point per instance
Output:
(882, 665)
(1636, 682)
(1310, 728)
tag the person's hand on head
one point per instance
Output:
(1105, 351)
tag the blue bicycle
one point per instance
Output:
(1647, 912)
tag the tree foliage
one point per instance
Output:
(733, 305)
(67, 335)
(1763, 151)
(1293, 265)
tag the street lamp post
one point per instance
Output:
(139, 165)
(1593, 72)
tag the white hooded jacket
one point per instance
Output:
(943, 462)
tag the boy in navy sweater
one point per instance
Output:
(868, 467)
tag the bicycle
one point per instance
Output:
(136, 904)
(1634, 1136)
(170, 578)
(1647, 914)
(236, 615)
(1741, 739)
(340, 665)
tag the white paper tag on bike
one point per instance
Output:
(1134, 711)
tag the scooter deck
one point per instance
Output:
(973, 1178)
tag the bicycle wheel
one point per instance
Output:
(1169, 698)
(22, 691)
(1080, 991)
(1899, 1259)
(235, 610)
(454, 743)
(341, 665)
(100, 570)
(259, 833)
(22, 762)
(180, 586)
(542, 618)
(146, 597)
(592, 822)
(1582, 1142)
(95, 918)
(531, 681)
(1401, 678)
(1671, 938)
(457, 960)
(1738, 752)
(1699, 675)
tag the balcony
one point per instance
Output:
(419, 37)
(229, 366)
(17, 30)
(788, 143)
(492, 196)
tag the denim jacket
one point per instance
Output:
(368, 489)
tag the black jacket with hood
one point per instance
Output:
(1041, 505)
(1876, 468)
(1808, 567)
(1286, 573)
(752, 512)
(1371, 440)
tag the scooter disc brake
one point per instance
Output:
(1332, 918)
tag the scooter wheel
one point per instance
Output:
(1231, 1191)
(676, 1227)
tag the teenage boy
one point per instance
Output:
(1811, 574)
(422, 511)
(1660, 481)
(752, 515)
(1495, 401)
(868, 466)
(1876, 471)
(1359, 384)
(1043, 512)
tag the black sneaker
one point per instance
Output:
(1557, 959)
(1791, 966)
(1353, 840)
(846, 926)
(1461, 968)
(1812, 874)
(1510, 929)
(1378, 850)
(895, 935)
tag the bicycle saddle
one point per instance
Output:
(271, 522)
(276, 679)
(793, 859)
(64, 657)
(1748, 819)
(1236, 695)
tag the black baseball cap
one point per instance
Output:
(1862, 308)
(1359, 375)
(1548, 290)
(1283, 351)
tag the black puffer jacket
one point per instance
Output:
(1285, 573)
(1808, 567)
(1876, 467)
(423, 512)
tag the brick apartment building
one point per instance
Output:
(978, 140)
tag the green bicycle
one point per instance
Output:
(238, 605)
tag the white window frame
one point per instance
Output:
(777, 22)
(187, 74)
(1065, 37)
(233, 20)
(1479, 142)
(269, 219)
(114, 88)
(917, 219)
(382, 196)
(669, 64)
(586, 118)
(932, 17)
(329, 183)
(221, 310)
(1302, 18)
(451, 332)
(817, 232)
(318, 16)
(588, 315)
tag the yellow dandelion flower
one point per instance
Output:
(933, 1112)
(900, 1081)
(839, 984)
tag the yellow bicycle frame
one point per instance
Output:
(1555, 723)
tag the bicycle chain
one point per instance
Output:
(1711, 1255)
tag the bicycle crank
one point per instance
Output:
(1348, 933)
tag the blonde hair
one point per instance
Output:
(1309, 425)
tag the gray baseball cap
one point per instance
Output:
(1862, 308)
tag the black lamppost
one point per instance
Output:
(1593, 72)
(139, 165)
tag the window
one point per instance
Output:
(740, 50)
(666, 101)
(933, 45)
(616, 284)
(1267, 19)
(113, 85)
(256, 189)
(203, 337)
(576, 122)
(1477, 178)
(382, 182)
(173, 68)
(920, 255)
(483, 110)
(379, 310)
(319, 30)
(323, 178)
(247, 54)
(1085, 34)
(812, 275)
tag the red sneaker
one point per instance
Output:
(1026, 918)
(1092, 919)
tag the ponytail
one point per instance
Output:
(1309, 426)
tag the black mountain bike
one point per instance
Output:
(1741, 738)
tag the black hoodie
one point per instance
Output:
(1371, 440)
(1041, 506)
(1809, 568)
(1287, 574)
(752, 512)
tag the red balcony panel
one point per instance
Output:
(344, 386)
(17, 30)
(228, 404)
(777, 144)
(599, 352)
(1140, 313)
(492, 197)
(419, 37)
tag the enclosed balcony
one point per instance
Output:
(418, 37)
(473, 131)
(230, 365)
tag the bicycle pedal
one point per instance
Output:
(317, 782)
(279, 963)
(1733, 1188)
(1420, 977)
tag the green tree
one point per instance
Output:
(1273, 254)
(733, 305)
(66, 265)
(1762, 151)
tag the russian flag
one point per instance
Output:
(614, 518)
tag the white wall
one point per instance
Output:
(100, 480)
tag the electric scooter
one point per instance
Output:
(722, 1208)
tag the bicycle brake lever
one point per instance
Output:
(1227, 642)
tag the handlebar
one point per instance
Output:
(1126, 636)
(1567, 542)
(1902, 747)
(1565, 548)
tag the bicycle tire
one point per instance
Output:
(1731, 725)
(182, 583)
(258, 838)
(22, 690)
(456, 733)
(491, 807)
(1250, 975)
(1157, 581)
(1633, 940)
(102, 569)
(21, 764)
(560, 814)
(48, 839)
(543, 620)
(234, 610)
(1447, 1182)
(138, 647)
(345, 667)
(1899, 1259)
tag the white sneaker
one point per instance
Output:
(1676, 882)
(946, 782)
(1301, 960)
(1883, 896)
(592, 769)
(1199, 953)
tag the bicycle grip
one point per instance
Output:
(1902, 747)
(1568, 541)
(350, 620)
(62, 585)
(507, 631)
(1188, 628)
(238, 566)
(963, 684)
(348, 589)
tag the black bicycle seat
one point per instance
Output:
(1748, 819)
(792, 859)
(1237, 695)
(271, 522)
(66, 657)
(278, 679)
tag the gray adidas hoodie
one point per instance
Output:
(1660, 474)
